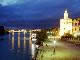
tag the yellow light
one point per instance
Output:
(54, 42)
(13, 40)
(18, 39)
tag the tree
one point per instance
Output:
(41, 37)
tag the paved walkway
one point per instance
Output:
(63, 51)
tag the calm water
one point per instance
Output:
(15, 47)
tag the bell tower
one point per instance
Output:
(65, 24)
(66, 14)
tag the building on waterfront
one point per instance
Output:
(76, 27)
(65, 24)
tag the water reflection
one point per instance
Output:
(13, 40)
(24, 40)
(30, 42)
(9, 36)
(18, 39)
(20, 46)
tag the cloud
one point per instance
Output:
(7, 2)
(38, 9)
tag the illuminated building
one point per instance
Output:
(76, 27)
(65, 24)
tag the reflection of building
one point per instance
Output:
(65, 24)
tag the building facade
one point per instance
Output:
(76, 27)
(65, 24)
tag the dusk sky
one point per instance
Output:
(43, 11)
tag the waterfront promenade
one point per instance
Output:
(63, 51)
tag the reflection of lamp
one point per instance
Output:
(33, 50)
(34, 37)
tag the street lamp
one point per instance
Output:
(54, 46)
(54, 42)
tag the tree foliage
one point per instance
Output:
(41, 37)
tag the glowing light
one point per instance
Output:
(18, 39)
(65, 14)
(13, 40)
(33, 49)
(30, 41)
(33, 37)
(22, 30)
(37, 46)
(77, 34)
(54, 42)
(24, 41)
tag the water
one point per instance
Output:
(15, 47)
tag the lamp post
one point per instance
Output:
(54, 46)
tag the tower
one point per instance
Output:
(65, 24)
(66, 14)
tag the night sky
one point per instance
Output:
(37, 12)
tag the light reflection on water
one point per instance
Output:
(15, 46)
(13, 40)
(18, 39)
